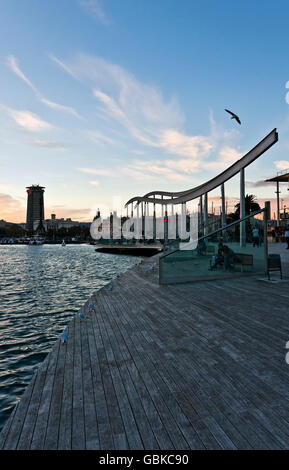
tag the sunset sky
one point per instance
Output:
(106, 99)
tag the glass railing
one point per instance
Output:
(220, 254)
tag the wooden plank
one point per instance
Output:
(102, 416)
(65, 422)
(149, 378)
(136, 380)
(39, 432)
(16, 426)
(120, 438)
(31, 415)
(51, 437)
(131, 429)
(78, 425)
(183, 423)
(91, 428)
(6, 429)
(174, 384)
(144, 428)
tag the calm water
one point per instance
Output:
(41, 287)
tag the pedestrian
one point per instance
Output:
(255, 233)
(287, 237)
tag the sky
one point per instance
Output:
(103, 100)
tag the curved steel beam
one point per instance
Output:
(227, 174)
(169, 193)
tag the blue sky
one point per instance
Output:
(111, 98)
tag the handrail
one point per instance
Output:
(163, 255)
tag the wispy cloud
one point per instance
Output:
(28, 121)
(48, 145)
(63, 66)
(59, 107)
(282, 164)
(14, 67)
(94, 183)
(99, 138)
(96, 10)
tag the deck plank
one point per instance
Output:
(101, 405)
(78, 424)
(136, 380)
(91, 429)
(39, 432)
(119, 436)
(25, 439)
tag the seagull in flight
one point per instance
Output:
(234, 116)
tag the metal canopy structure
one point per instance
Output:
(165, 198)
(281, 177)
(189, 195)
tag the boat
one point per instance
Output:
(36, 241)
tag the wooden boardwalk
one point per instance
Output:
(195, 366)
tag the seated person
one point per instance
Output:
(219, 259)
(229, 256)
(225, 256)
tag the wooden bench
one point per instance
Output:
(243, 259)
(238, 259)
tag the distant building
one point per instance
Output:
(55, 224)
(35, 208)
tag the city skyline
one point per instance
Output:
(126, 97)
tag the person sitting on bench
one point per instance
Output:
(229, 256)
(225, 256)
(219, 259)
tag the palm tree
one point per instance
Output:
(250, 206)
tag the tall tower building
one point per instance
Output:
(35, 208)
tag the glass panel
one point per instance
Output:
(219, 255)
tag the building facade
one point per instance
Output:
(55, 224)
(35, 208)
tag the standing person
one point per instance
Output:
(255, 233)
(287, 237)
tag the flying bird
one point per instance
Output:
(234, 116)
